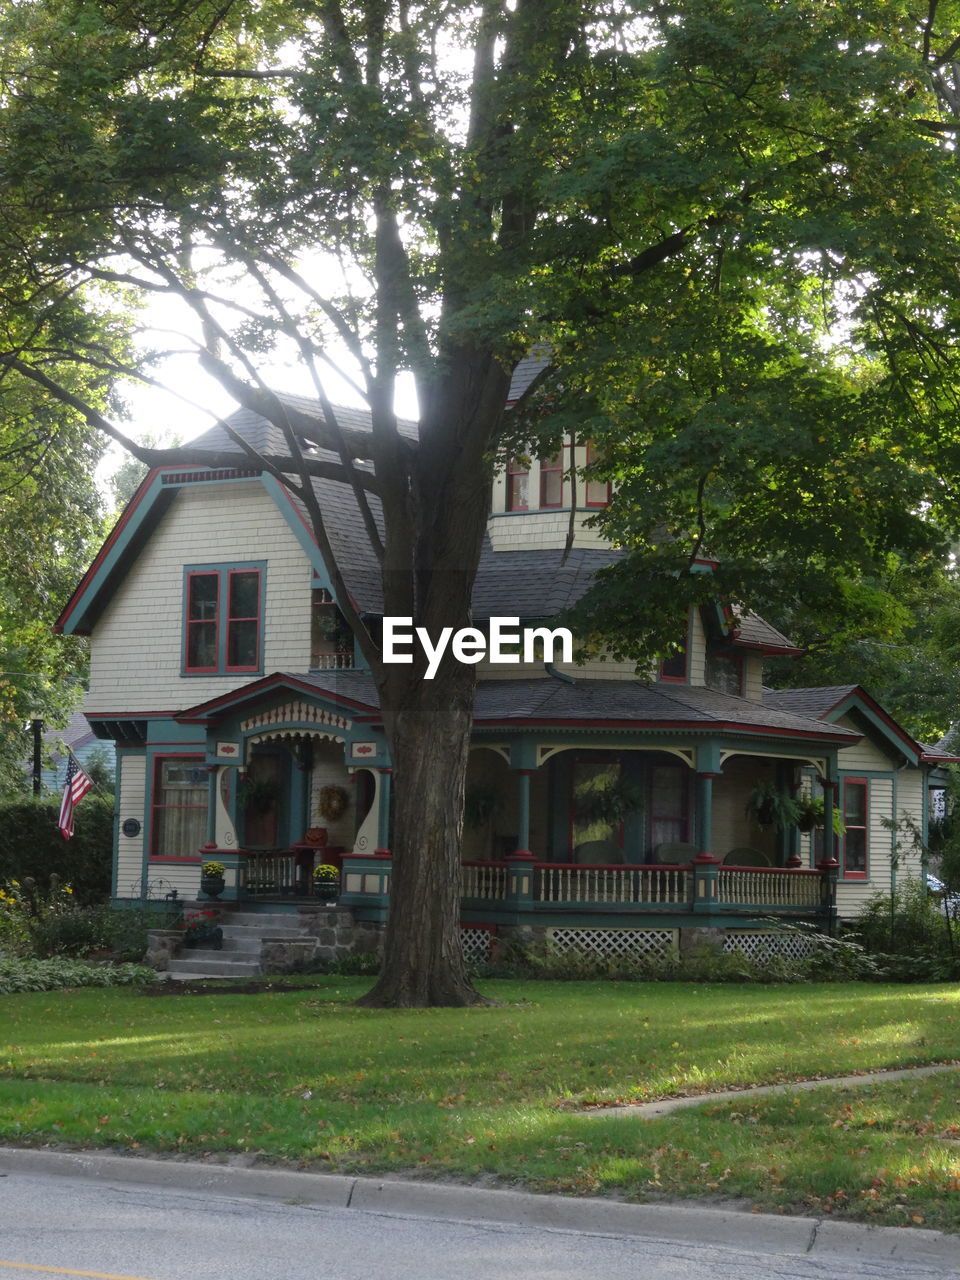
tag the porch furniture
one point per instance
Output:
(746, 857)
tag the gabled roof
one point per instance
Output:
(832, 702)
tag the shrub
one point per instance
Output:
(17, 974)
(907, 923)
(31, 845)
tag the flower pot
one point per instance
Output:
(212, 886)
(326, 890)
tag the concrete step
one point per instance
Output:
(261, 920)
(213, 964)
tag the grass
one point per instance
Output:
(301, 1076)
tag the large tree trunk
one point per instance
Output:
(429, 741)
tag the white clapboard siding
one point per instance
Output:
(137, 643)
(851, 894)
(132, 779)
(753, 679)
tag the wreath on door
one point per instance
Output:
(332, 803)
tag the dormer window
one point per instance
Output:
(598, 491)
(674, 668)
(551, 481)
(518, 485)
(331, 641)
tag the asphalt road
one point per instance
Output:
(107, 1227)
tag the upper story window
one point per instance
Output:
(551, 481)
(675, 667)
(724, 672)
(331, 642)
(223, 619)
(518, 485)
(598, 491)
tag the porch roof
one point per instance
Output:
(609, 704)
(634, 704)
(830, 703)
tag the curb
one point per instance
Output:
(757, 1232)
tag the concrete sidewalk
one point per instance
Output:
(663, 1106)
(824, 1239)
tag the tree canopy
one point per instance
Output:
(732, 223)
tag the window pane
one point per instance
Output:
(855, 804)
(245, 595)
(518, 491)
(202, 644)
(204, 592)
(242, 644)
(551, 488)
(855, 850)
(180, 810)
(724, 673)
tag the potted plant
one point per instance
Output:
(770, 806)
(811, 814)
(326, 882)
(202, 929)
(212, 881)
(257, 795)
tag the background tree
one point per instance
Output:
(681, 202)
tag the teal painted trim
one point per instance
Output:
(170, 733)
(523, 752)
(284, 502)
(853, 703)
(223, 569)
(87, 609)
(879, 775)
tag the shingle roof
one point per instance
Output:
(808, 702)
(753, 630)
(525, 372)
(599, 701)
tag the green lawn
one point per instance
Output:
(303, 1077)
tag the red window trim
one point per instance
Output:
(158, 762)
(255, 666)
(586, 491)
(865, 873)
(547, 468)
(685, 653)
(193, 622)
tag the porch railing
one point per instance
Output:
(768, 887)
(269, 873)
(484, 880)
(562, 882)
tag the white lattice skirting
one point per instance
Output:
(636, 944)
(476, 945)
(761, 946)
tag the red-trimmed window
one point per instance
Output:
(518, 485)
(180, 798)
(223, 620)
(674, 668)
(203, 621)
(551, 481)
(855, 819)
(598, 491)
(669, 805)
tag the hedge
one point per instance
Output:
(31, 845)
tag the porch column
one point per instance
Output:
(523, 813)
(383, 816)
(705, 811)
(830, 787)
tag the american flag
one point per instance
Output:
(74, 789)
